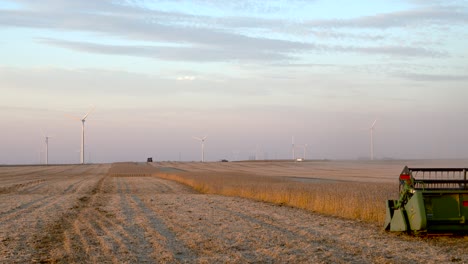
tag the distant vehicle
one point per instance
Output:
(224, 160)
(300, 159)
(149, 159)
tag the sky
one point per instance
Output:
(249, 75)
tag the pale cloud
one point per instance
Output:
(403, 51)
(195, 53)
(433, 77)
(186, 78)
(437, 2)
(213, 54)
(329, 34)
(177, 36)
(401, 19)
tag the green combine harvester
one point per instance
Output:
(431, 201)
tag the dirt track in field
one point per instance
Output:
(86, 214)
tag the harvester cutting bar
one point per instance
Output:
(439, 178)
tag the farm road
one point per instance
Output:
(84, 214)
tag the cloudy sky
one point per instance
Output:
(247, 74)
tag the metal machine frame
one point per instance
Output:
(431, 200)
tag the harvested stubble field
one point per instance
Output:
(127, 213)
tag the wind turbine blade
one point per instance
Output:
(197, 138)
(373, 124)
(89, 112)
(204, 138)
(72, 117)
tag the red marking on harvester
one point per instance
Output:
(405, 177)
(465, 203)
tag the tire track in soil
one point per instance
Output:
(19, 210)
(166, 247)
(84, 240)
(15, 173)
(75, 245)
(32, 189)
(54, 234)
(327, 248)
(74, 186)
(33, 208)
(172, 248)
(96, 240)
(284, 235)
(139, 246)
(16, 187)
(38, 204)
(332, 247)
(85, 175)
(25, 187)
(80, 229)
(26, 219)
(116, 232)
(114, 237)
(234, 237)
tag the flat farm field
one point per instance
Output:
(194, 213)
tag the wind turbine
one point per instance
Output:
(202, 140)
(46, 147)
(372, 139)
(83, 119)
(47, 150)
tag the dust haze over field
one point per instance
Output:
(124, 212)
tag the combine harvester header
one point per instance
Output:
(431, 201)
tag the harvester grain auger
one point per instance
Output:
(431, 201)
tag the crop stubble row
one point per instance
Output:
(29, 208)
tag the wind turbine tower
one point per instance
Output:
(47, 150)
(202, 140)
(46, 147)
(83, 119)
(372, 139)
(305, 151)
